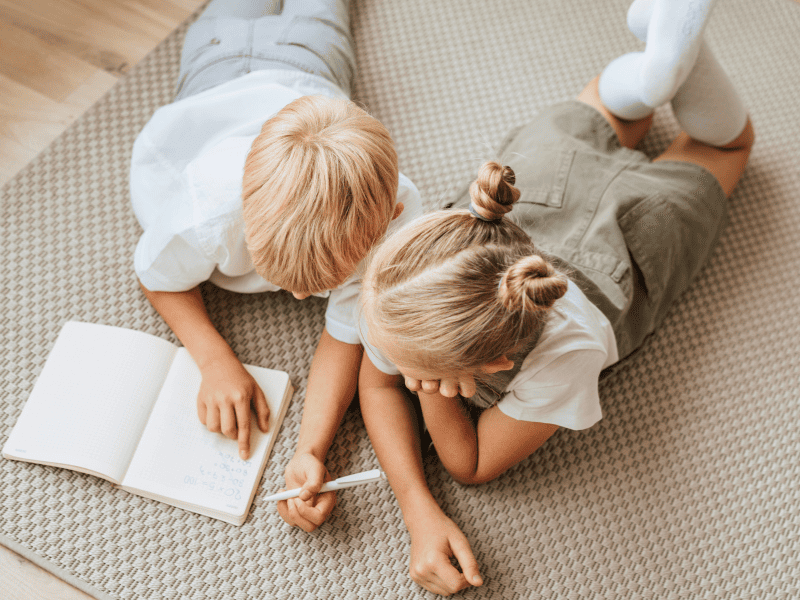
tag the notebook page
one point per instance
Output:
(179, 458)
(92, 398)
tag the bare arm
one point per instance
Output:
(392, 428)
(228, 390)
(332, 385)
(478, 454)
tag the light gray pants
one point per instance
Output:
(234, 37)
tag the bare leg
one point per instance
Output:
(726, 162)
(630, 133)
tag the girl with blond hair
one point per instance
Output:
(504, 327)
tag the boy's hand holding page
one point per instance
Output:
(226, 388)
(227, 393)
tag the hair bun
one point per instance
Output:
(531, 284)
(493, 192)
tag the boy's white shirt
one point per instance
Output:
(186, 185)
(558, 380)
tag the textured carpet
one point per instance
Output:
(688, 487)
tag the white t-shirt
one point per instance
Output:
(186, 188)
(557, 382)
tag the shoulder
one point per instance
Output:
(557, 382)
(562, 392)
(239, 107)
(575, 323)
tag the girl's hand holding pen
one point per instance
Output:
(310, 509)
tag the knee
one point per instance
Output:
(658, 79)
(745, 140)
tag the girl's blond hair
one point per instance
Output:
(319, 190)
(457, 289)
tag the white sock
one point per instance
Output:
(674, 35)
(620, 90)
(639, 13)
(707, 105)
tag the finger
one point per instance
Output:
(466, 559)
(427, 580)
(201, 410)
(434, 587)
(311, 486)
(262, 409)
(298, 519)
(448, 388)
(227, 421)
(212, 420)
(430, 386)
(243, 425)
(283, 510)
(317, 513)
(315, 477)
(467, 386)
(324, 504)
(450, 579)
(433, 583)
(413, 384)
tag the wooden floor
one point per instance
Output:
(57, 58)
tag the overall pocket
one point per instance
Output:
(650, 232)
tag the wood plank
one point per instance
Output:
(36, 63)
(108, 35)
(30, 121)
(20, 579)
(58, 57)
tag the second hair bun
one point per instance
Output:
(531, 284)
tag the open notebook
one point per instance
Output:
(121, 405)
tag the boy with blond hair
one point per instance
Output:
(262, 175)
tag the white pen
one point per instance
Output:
(336, 484)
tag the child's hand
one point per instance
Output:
(435, 539)
(309, 510)
(450, 388)
(223, 404)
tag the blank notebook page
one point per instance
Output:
(92, 399)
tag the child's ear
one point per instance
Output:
(398, 210)
(498, 364)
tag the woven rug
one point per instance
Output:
(688, 488)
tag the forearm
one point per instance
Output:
(392, 428)
(186, 315)
(479, 452)
(332, 384)
(453, 434)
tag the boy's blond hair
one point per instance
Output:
(457, 289)
(319, 190)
